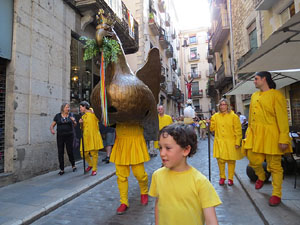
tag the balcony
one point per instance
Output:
(169, 51)
(211, 80)
(174, 64)
(168, 19)
(152, 22)
(163, 86)
(181, 97)
(194, 74)
(163, 39)
(224, 78)
(172, 90)
(173, 35)
(197, 93)
(161, 6)
(129, 37)
(211, 69)
(209, 58)
(221, 32)
(179, 72)
(198, 109)
(177, 45)
(194, 57)
(264, 4)
(241, 60)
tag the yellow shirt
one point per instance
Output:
(268, 123)
(182, 196)
(202, 124)
(164, 120)
(91, 135)
(130, 146)
(228, 134)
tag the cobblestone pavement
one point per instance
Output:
(98, 205)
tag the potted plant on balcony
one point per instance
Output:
(151, 17)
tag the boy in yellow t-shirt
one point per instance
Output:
(183, 194)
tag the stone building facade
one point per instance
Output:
(195, 68)
(39, 77)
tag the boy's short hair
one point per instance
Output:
(183, 134)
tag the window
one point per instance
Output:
(195, 88)
(196, 105)
(252, 34)
(194, 70)
(84, 74)
(193, 39)
(193, 54)
(287, 13)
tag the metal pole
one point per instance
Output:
(209, 166)
(231, 45)
(83, 155)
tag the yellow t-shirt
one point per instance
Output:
(164, 120)
(182, 196)
(202, 124)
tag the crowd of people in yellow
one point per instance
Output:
(266, 139)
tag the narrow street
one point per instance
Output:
(98, 205)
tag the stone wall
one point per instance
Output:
(38, 80)
(243, 15)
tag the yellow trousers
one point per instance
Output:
(231, 167)
(91, 157)
(273, 166)
(123, 172)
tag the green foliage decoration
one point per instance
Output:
(110, 49)
(91, 48)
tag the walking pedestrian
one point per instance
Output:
(64, 137)
(92, 140)
(163, 120)
(227, 141)
(183, 194)
(108, 136)
(244, 123)
(203, 127)
(267, 136)
(130, 150)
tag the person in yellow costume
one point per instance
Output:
(130, 150)
(267, 136)
(183, 194)
(92, 139)
(228, 135)
(202, 124)
(163, 120)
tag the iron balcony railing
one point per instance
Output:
(241, 60)
(194, 74)
(221, 32)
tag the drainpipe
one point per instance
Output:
(231, 45)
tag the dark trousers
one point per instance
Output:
(63, 140)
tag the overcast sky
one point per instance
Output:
(192, 13)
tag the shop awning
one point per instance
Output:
(281, 79)
(281, 51)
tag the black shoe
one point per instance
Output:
(61, 172)
(106, 159)
(74, 168)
